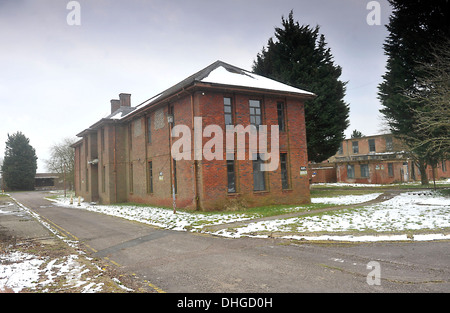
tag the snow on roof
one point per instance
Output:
(219, 73)
(120, 113)
(222, 73)
(116, 116)
(227, 76)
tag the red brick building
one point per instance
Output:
(126, 157)
(379, 159)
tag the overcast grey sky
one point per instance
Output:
(57, 79)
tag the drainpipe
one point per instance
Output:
(170, 122)
(115, 167)
(196, 198)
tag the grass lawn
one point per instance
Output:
(407, 212)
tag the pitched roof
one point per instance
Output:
(221, 73)
(225, 74)
(114, 116)
(218, 73)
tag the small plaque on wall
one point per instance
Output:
(303, 171)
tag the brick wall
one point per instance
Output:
(378, 172)
(157, 151)
(125, 152)
(214, 184)
(322, 173)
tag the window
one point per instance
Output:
(355, 147)
(149, 129)
(371, 145)
(391, 169)
(150, 177)
(389, 145)
(228, 112)
(281, 120)
(444, 166)
(350, 171)
(364, 170)
(259, 182)
(341, 149)
(284, 171)
(255, 113)
(231, 175)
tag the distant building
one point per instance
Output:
(126, 156)
(48, 181)
(322, 172)
(379, 159)
(42, 181)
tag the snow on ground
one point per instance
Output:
(20, 270)
(411, 183)
(403, 213)
(406, 212)
(394, 219)
(350, 199)
(159, 217)
(347, 185)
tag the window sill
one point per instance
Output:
(260, 191)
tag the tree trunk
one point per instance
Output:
(423, 171)
(434, 177)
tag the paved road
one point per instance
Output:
(174, 261)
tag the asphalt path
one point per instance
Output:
(184, 262)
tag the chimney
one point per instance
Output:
(115, 105)
(125, 100)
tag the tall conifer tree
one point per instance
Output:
(299, 57)
(414, 27)
(20, 163)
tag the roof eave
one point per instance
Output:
(141, 111)
(93, 128)
(195, 85)
(304, 96)
(77, 143)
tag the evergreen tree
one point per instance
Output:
(356, 134)
(299, 57)
(20, 163)
(414, 27)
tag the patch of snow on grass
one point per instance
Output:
(20, 270)
(405, 212)
(408, 211)
(160, 217)
(348, 199)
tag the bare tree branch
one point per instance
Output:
(432, 92)
(62, 159)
